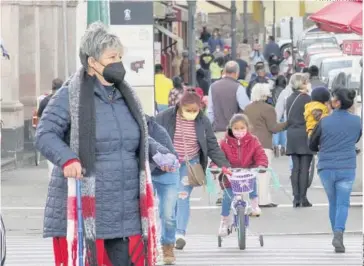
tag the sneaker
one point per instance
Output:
(180, 242)
(168, 255)
(219, 201)
(276, 151)
(255, 210)
(224, 224)
(338, 242)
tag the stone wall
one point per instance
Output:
(32, 32)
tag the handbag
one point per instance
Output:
(196, 174)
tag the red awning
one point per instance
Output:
(357, 24)
(340, 17)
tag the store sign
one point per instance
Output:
(131, 12)
(353, 47)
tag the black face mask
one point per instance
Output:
(114, 73)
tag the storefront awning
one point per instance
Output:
(179, 40)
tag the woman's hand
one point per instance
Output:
(261, 171)
(73, 170)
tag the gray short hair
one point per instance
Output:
(299, 79)
(231, 67)
(260, 92)
(96, 39)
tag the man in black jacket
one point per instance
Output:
(56, 84)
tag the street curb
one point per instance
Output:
(8, 164)
(313, 233)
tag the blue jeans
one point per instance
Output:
(183, 202)
(280, 138)
(167, 195)
(228, 198)
(338, 185)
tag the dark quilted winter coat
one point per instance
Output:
(117, 164)
(244, 153)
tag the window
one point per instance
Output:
(307, 42)
(328, 66)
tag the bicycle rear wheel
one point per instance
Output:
(241, 226)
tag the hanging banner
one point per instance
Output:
(132, 22)
(353, 47)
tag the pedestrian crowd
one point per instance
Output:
(93, 128)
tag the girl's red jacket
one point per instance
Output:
(244, 153)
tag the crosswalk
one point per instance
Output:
(203, 250)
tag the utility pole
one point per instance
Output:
(292, 44)
(192, 42)
(245, 18)
(274, 20)
(233, 29)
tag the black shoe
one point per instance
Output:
(283, 151)
(180, 243)
(306, 204)
(270, 205)
(276, 151)
(338, 242)
(219, 201)
(296, 204)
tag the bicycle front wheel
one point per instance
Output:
(241, 226)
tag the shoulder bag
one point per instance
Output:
(196, 174)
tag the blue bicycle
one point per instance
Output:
(242, 183)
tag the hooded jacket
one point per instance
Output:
(247, 152)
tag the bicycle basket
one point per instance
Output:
(242, 181)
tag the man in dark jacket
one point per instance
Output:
(260, 78)
(205, 35)
(56, 84)
(271, 48)
(314, 78)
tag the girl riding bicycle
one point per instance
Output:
(243, 150)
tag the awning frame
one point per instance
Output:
(178, 40)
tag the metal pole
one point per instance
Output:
(65, 38)
(263, 22)
(233, 30)
(274, 19)
(245, 18)
(292, 41)
(192, 42)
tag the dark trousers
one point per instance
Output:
(118, 251)
(300, 176)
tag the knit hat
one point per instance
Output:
(320, 94)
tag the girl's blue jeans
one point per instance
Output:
(338, 185)
(183, 201)
(228, 198)
(167, 195)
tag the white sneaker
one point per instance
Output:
(224, 224)
(255, 212)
